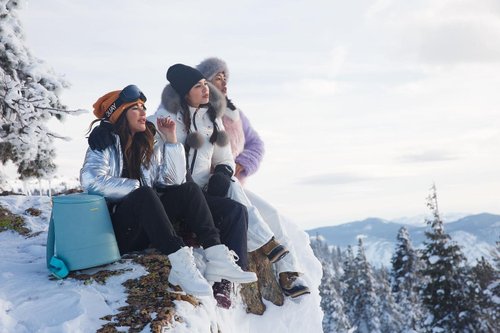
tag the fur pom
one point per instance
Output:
(211, 66)
(194, 140)
(222, 139)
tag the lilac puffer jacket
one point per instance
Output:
(246, 145)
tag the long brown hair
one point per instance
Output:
(137, 149)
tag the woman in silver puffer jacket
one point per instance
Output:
(127, 172)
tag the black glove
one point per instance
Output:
(219, 183)
(101, 136)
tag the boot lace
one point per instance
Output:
(233, 257)
(189, 263)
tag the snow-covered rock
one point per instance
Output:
(31, 301)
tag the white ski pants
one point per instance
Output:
(264, 222)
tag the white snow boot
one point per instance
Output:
(185, 273)
(222, 265)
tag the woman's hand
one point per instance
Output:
(166, 126)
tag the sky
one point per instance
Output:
(362, 105)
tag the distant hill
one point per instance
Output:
(476, 234)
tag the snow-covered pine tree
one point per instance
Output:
(444, 289)
(365, 303)
(496, 256)
(334, 318)
(320, 248)
(336, 262)
(28, 99)
(348, 283)
(404, 281)
(391, 318)
(493, 289)
(482, 296)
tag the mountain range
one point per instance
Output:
(476, 234)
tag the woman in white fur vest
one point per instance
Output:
(197, 110)
(197, 107)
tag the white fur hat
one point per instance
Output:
(211, 66)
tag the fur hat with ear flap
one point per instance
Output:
(211, 66)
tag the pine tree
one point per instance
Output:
(444, 290)
(481, 296)
(365, 303)
(496, 256)
(320, 247)
(404, 281)
(28, 99)
(348, 283)
(391, 319)
(493, 289)
(487, 278)
(334, 318)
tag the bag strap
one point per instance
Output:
(55, 265)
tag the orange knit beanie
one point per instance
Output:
(104, 102)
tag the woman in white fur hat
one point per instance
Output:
(197, 107)
(248, 150)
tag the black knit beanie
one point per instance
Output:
(183, 78)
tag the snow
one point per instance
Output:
(433, 259)
(31, 301)
(45, 186)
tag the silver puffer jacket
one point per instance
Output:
(101, 171)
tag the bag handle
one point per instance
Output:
(55, 265)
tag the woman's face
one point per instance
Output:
(220, 82)
(136, 117)
(199, 94)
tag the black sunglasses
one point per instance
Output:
(129, 94)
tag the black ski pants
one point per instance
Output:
(231, 218)
(141, 219)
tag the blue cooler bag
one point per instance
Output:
(80, 234)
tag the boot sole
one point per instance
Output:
(173, 280)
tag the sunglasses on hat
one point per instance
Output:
(129, 94)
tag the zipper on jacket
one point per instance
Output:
(196, 150)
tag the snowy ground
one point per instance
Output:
(30, 301)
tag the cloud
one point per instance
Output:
(428, 156)
(315, 87)
(461, 41)
(333, 179)
(440, 33)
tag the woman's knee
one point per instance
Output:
(144, 196)
(237, 213)
(191, 186)
(192, 189)
(143, 191)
